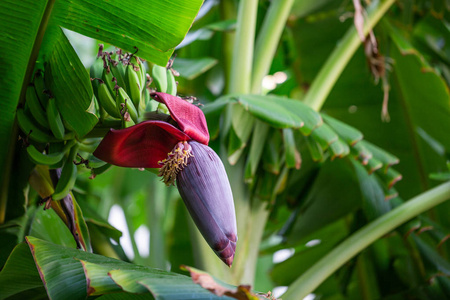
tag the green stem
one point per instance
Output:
(268, 40)
(312, 278)
(156, 204)
(338, 60)
(241, 67)
(248, 250)
(228, 11)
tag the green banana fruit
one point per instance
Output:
(108, 79)
(55, 120)
(68, 176)
(29, 127)
(171, 83)
(142, 73)
(35, 107)
(118, 71)
(49, 159)
(123, 98)
(39, 86)
(159, 75)
(95, 73)
(99, 170)
(134, 85)
(107, 101)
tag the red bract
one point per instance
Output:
(147, 143)
(182, 154)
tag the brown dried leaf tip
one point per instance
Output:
(206, 281)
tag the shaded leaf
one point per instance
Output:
(20, 24)
(374, 204)
(329, 199)
(19, 273)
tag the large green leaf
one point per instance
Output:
(66, 271)
(20, 23)
(69, 83)
(331, 197)
(155, 27)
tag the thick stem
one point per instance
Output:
(268, 40)
(241, 67)
(228, 11)
(338, 60)
(336, 258)
(247, 253)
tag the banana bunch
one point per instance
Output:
(122, 86)
(119, 82)
(48, 141)
(40, 118)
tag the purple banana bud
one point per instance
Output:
(206, 192)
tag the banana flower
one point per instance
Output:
(179, 148)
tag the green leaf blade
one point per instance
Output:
(70, 84)
(155, 28)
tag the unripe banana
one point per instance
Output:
(99, 170)
(108, 79)
(171, 83)
(123, 98)
(35, 107)
(40, 158)
(55, 120)
(107, 101)
(39, 86)
(142, 73)
(118, 71)
(68, 176)
(29, 127)
(96, 73)
(159, 75)
(134, 85)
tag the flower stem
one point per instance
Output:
(241, 67)
(338, 60)
(268, 40)
(312, 278)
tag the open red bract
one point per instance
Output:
(145, 144)
(189, 117)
